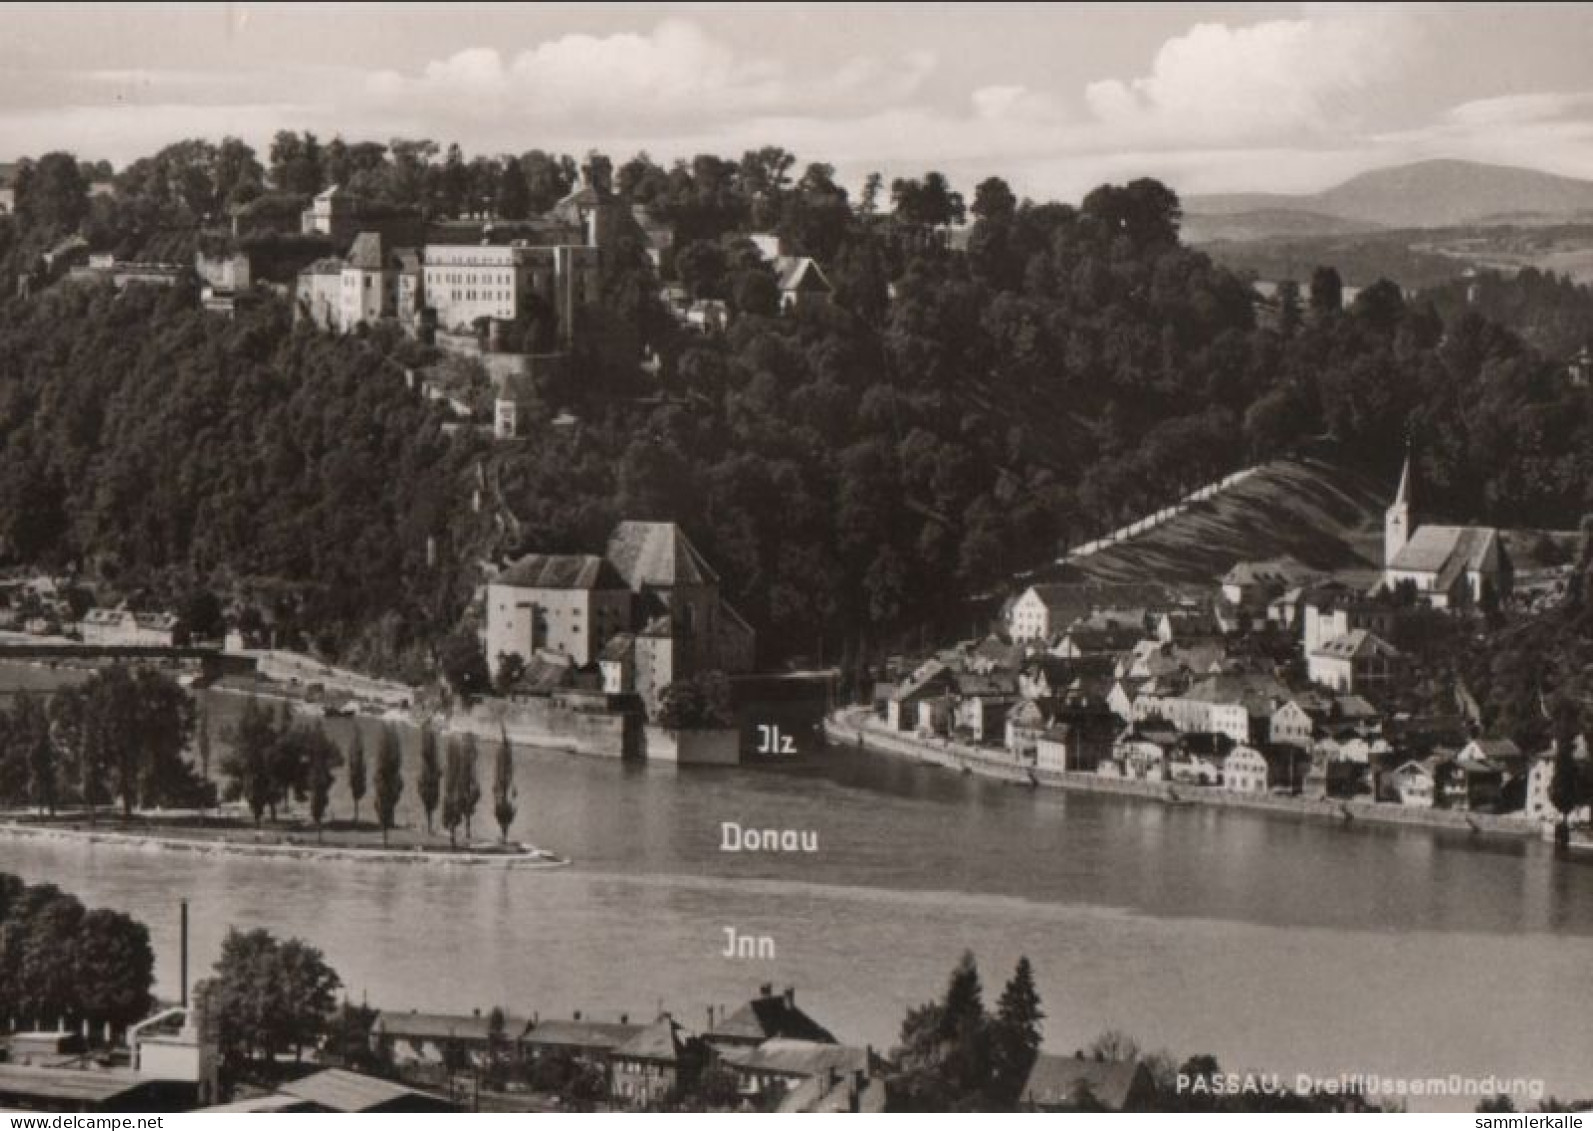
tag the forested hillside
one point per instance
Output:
(855, 472)
(164, 450)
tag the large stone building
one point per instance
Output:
(569, 604)
(537, 271)
(467, 282)
(652, 595)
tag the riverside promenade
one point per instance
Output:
(858, 727)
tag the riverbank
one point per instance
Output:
(856, 727)
(226, 842)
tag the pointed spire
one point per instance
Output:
(1402, 497)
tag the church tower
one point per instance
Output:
(1397, 520)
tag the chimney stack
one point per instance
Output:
(790, 997)
(183, 952)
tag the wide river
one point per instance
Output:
(1276, 944)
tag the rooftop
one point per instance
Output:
(657, 554)
(338, 1090)
(1058, 1081)
(772, 1015)
(560, 571)
(787, 1057)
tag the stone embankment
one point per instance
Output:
(857, 727)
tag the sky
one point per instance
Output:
(1055, 98)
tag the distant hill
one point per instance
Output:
(1263, 223)
(1426, 194)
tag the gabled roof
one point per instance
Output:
(1355, 645)
(657, 554)
(835, 1096)
(1496, 748)
(365, 254)
(1449, 549)
(581, 1034)
(77, 1085)
(923, 678)
(772, 1015)
(1424, 767)
(1074, 599)
(1059, 1081)
(784, 1056)
(986, 685)
(619, 648)
(663, 1040)
(560, 571)
(336, 1089)
(1284, 571)
(1354, 707)
(1254, 690)
(1103, 638)
(799, 273)
(445, 1026)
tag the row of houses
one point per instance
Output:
(776, 1053)
(779, 1057)
(1282, 680)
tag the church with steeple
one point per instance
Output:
(1450, 566)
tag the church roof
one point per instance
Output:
(1402, 496)
(1449, 550)
(657, 553)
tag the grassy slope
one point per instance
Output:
(1316, 511)
(1313, 509)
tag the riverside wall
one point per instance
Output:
(850, 730)
(549, 724)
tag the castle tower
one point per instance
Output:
(1397, 519)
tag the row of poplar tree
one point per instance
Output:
(276, 759)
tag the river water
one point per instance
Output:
(1276, 944)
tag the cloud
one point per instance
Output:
(676, 73)
(1280, 104)
(1296, 79)
(1520, 109)
(1548, 130)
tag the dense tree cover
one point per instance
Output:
(157, 445)
(1553, 313)
(1407, 257)
(957, 1055)
(699, 702)
(268, 997)
(1534, 680)
(856, 473)
(123, 735)
(275, 760)
(62, 964)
